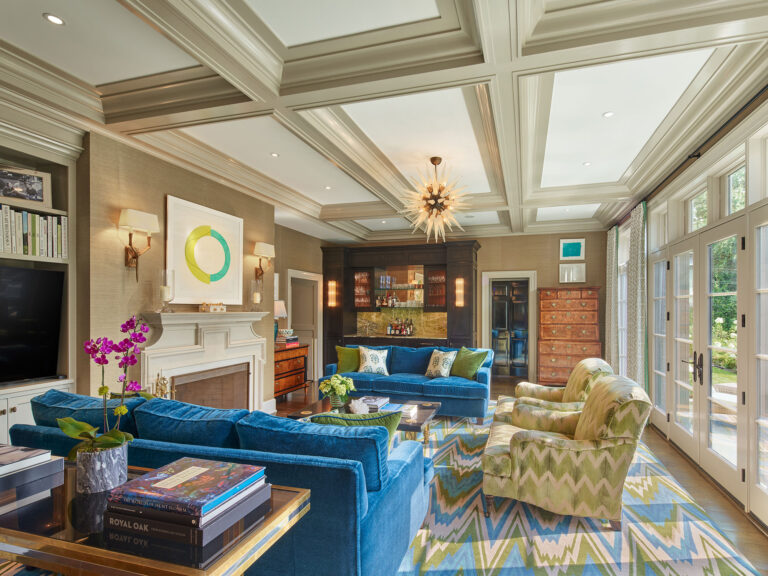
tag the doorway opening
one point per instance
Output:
(509, 327)
(304, 301)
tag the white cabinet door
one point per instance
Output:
(20, 410)
(3, 421)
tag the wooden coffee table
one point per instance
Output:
(420, 422)
(62, 533)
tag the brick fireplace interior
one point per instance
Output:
(225, 387)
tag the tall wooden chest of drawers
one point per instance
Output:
(290, 369)
(569, 331)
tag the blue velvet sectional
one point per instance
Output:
(366, 502)
(406, 381)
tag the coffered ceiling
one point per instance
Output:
(556, 115)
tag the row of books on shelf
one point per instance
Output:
(31, 234)
(27, 475)
(190, 511)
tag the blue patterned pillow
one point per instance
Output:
(373, 361)
(440, 364)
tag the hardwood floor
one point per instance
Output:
(728, 515)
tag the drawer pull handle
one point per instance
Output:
(554, 331)
(583, 316)
(2, 412)
(583, 331)
(13, 410)
(553, 316)
(554, 304)
(554, 373)
(583, 348)
(553, 348)
(553, 360)
(583, 304)
(567, 301)
(568, 327)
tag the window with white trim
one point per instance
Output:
(736, 190)
(697, 211)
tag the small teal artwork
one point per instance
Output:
(572, 249)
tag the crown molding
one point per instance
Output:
(547, 26)
(33, 78)
(186, 90)
(480, 231)
(357, 211)
(215, 34)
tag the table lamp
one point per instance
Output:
(280, 312)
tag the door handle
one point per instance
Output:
(700, 368)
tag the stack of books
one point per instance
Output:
(375, 403)
(31, 234)
(188, 512)
(27, 475)
(288, 341)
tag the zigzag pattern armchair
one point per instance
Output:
(569, 462)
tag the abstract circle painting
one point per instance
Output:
(189, 254)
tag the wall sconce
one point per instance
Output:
(137, 221)
(332, 294)
(266, 251)
(459, 292)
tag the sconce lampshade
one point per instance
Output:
(264, 250)
(280, 310)
(136, 220)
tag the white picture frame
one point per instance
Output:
(573, 273)
(572, 249)
(25, 188)
(205, 249)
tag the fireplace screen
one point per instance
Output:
(225, 387)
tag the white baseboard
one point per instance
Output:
(269, 406)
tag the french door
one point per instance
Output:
(708, 417)
(758, 395)
(659, 277)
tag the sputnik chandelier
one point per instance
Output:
(435, 202)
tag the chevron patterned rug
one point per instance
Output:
(663, 530)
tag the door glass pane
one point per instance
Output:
(761, 361)
(659, 334)
(722, 357)
(683, 344)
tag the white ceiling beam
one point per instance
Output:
(217, 37)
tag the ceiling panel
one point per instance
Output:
(100, 42)
(585, 147)
(573, 212)
(385, 224)
(252, 141)
(477, 218)
(410, 129)
(309, 226)
(297, 22)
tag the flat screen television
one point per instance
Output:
(30, 322)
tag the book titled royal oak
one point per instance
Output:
(189, 486)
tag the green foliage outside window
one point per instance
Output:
(698, 208)
(737, 190)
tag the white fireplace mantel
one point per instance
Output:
(185, 342)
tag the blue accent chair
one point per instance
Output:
(366, 505)
(406, 381)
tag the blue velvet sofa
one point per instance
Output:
(406, 381)
(366, 502)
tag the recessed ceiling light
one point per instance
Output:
(327, 187)
(53, 19)
(383, 221)
(587, 163)
(567, 209)
(275, 155)
(608, 114)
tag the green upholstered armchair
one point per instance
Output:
(569, 462)
(575, 391)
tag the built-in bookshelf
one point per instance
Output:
(60, 166)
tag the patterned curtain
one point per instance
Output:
(637, 300)
(611, 299)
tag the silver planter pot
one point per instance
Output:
(102, 470)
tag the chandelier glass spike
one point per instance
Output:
(434, 203)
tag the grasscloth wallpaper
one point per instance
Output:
(112, 176)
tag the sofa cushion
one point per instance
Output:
(400, 384)
(467, 363)
(348, 359)
(496, 459)
(615, 408)
(488, 354)
(58, 404)
(373, 361)
(440, 363)
(582, 377)
(454, 387)
(390, 420)
(410, 360)
(387, 348)
(173, 421)
(368, 445)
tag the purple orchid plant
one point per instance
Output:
(126, 352)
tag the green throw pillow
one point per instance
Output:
(389, 420)
(467, 363)
(348, 359)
